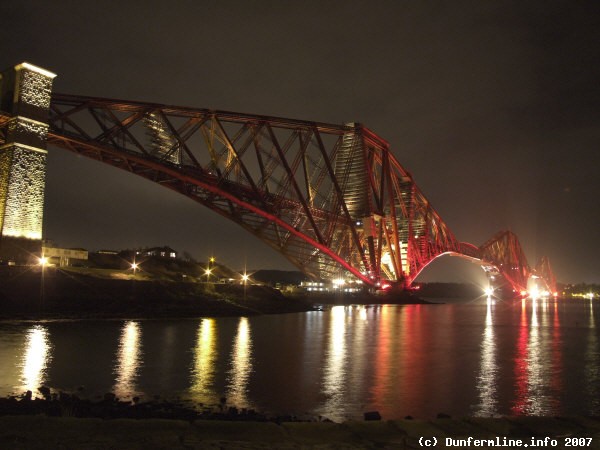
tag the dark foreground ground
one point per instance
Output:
(63, 421)
(41, 432)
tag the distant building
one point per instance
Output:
(337, 285)
(64, 256)
(107, 252)
(161, 252)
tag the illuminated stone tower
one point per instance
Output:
(24, 104)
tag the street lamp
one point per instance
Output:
(245, 278)
(207, 272)
(134, 267)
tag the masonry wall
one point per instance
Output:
(25, 95)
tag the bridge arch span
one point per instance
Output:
(331, 198)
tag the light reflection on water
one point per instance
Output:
(538, 361)
(334, 373)
(37, 357)
(241, 366)
(592, 364)
(205, 355)
(485, 358)
(488, 372)
(128, 361)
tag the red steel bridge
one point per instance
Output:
(332, 199)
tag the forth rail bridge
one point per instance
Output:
(332, 199)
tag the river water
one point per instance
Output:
(480, 357)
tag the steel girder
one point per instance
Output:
(331, 198)
(543, 270)
(504, 254)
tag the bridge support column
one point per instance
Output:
(25, 92)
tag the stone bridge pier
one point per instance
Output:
(25, 92)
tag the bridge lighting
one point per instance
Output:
(489, 291)
(395, 254)
(338, 282)
(534, 292)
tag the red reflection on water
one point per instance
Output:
(416, 347)
(521, 363)
(382, 360)
(556, 379)
(538, 362)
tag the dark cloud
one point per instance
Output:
(493, 106)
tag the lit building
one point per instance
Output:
(336, 285)
(24, 101)
(162, 252)
(64, 256)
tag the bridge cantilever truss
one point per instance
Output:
(332, 198)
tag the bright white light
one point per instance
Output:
(134, 266)
(489, 291)
(534, 292)
(43, 261)
(339, 282)
(245, 277)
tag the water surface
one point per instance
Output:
(483, 357)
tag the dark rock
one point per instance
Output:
(372, 415)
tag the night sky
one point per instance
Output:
(493, 106)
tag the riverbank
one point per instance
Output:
(29, 293)
(51, 293)
(40, 432)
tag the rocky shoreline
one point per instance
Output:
(61, 420)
